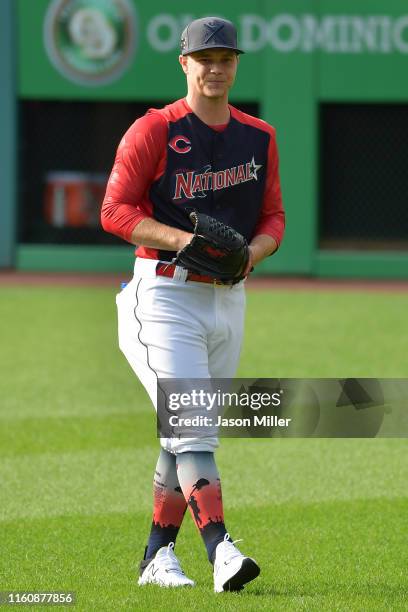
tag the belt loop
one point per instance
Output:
(180, 273)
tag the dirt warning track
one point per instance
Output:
(266, 283)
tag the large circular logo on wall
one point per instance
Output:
(90, 42)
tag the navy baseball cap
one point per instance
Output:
(209, 33)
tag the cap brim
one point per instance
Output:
(207, 47)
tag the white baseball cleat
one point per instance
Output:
(165, 570)
(231, 568)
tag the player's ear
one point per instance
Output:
(183, 63)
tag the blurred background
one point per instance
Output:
(330, 75)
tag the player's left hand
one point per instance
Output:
(216, 250)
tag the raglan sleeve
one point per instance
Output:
(136, 165)
(272, 216)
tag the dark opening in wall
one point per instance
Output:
(363, 176)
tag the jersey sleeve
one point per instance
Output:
(136, 165)
(272, 217)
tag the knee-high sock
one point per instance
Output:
(199, 479)
(169, 504)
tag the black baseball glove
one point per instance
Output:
(215, 250)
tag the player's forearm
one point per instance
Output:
(151, 233)
(262, 246)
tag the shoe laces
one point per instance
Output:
(229, 548)
(170, 561)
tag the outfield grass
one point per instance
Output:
(326, 519)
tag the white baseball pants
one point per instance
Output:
(171, 328)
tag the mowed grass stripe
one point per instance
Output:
(262, 472)
(67, 434)
(87, 482)
(59, 352)
(319, 334)
(265, 471)
(326, 556)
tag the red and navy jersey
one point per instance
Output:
(170, 162)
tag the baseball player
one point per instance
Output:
(196, 186)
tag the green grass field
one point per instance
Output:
(326, 519)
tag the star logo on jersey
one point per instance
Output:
(253, 168)
(190, 184)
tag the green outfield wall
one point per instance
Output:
(300, 55)
(8, 205)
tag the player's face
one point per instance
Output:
(210, 73)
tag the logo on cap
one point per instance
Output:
(213, 28)
(209, 32)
